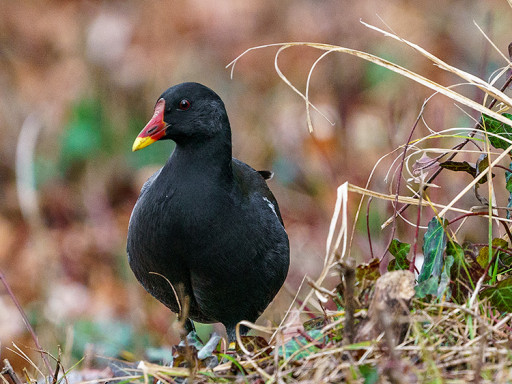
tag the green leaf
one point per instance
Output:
(369, 373)
(435, 285)
(483, 255)
(400, 251)
(459, 166)
(459, 273)
(454, 249)
(427, 287)
(465, 271)
(316, 323)
(235, 362)
(445, 276)
(499, 242)
(508, 178)
(494, 126)
(481, 165)
(300, 346)
(434, 244)
(500, 296)
(194, 340)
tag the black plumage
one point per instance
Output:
(206, 229)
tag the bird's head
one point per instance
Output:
(183, 113)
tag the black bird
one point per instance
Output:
(206, 229)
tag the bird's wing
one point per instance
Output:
(248, 179)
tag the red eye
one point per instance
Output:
(184, 105)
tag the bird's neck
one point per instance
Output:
(210, 159)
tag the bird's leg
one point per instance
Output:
(189, 326)
(204, 350)
(185, 327)
(231, 331)
(183, 303)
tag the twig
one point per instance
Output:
(368, 226)
(393, 362)
(477, 378)
(468, 215)
(320, 289)
(309, 339)
(480, 282)
(495, 247)
(56, 374)
(457, 147)
(400, 173)
(348, 278)
(7, 370)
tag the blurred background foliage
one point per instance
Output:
(82, 78)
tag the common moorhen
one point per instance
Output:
(206, 237)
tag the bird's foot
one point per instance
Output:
(204, 351)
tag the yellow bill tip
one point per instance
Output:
(142, 142)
